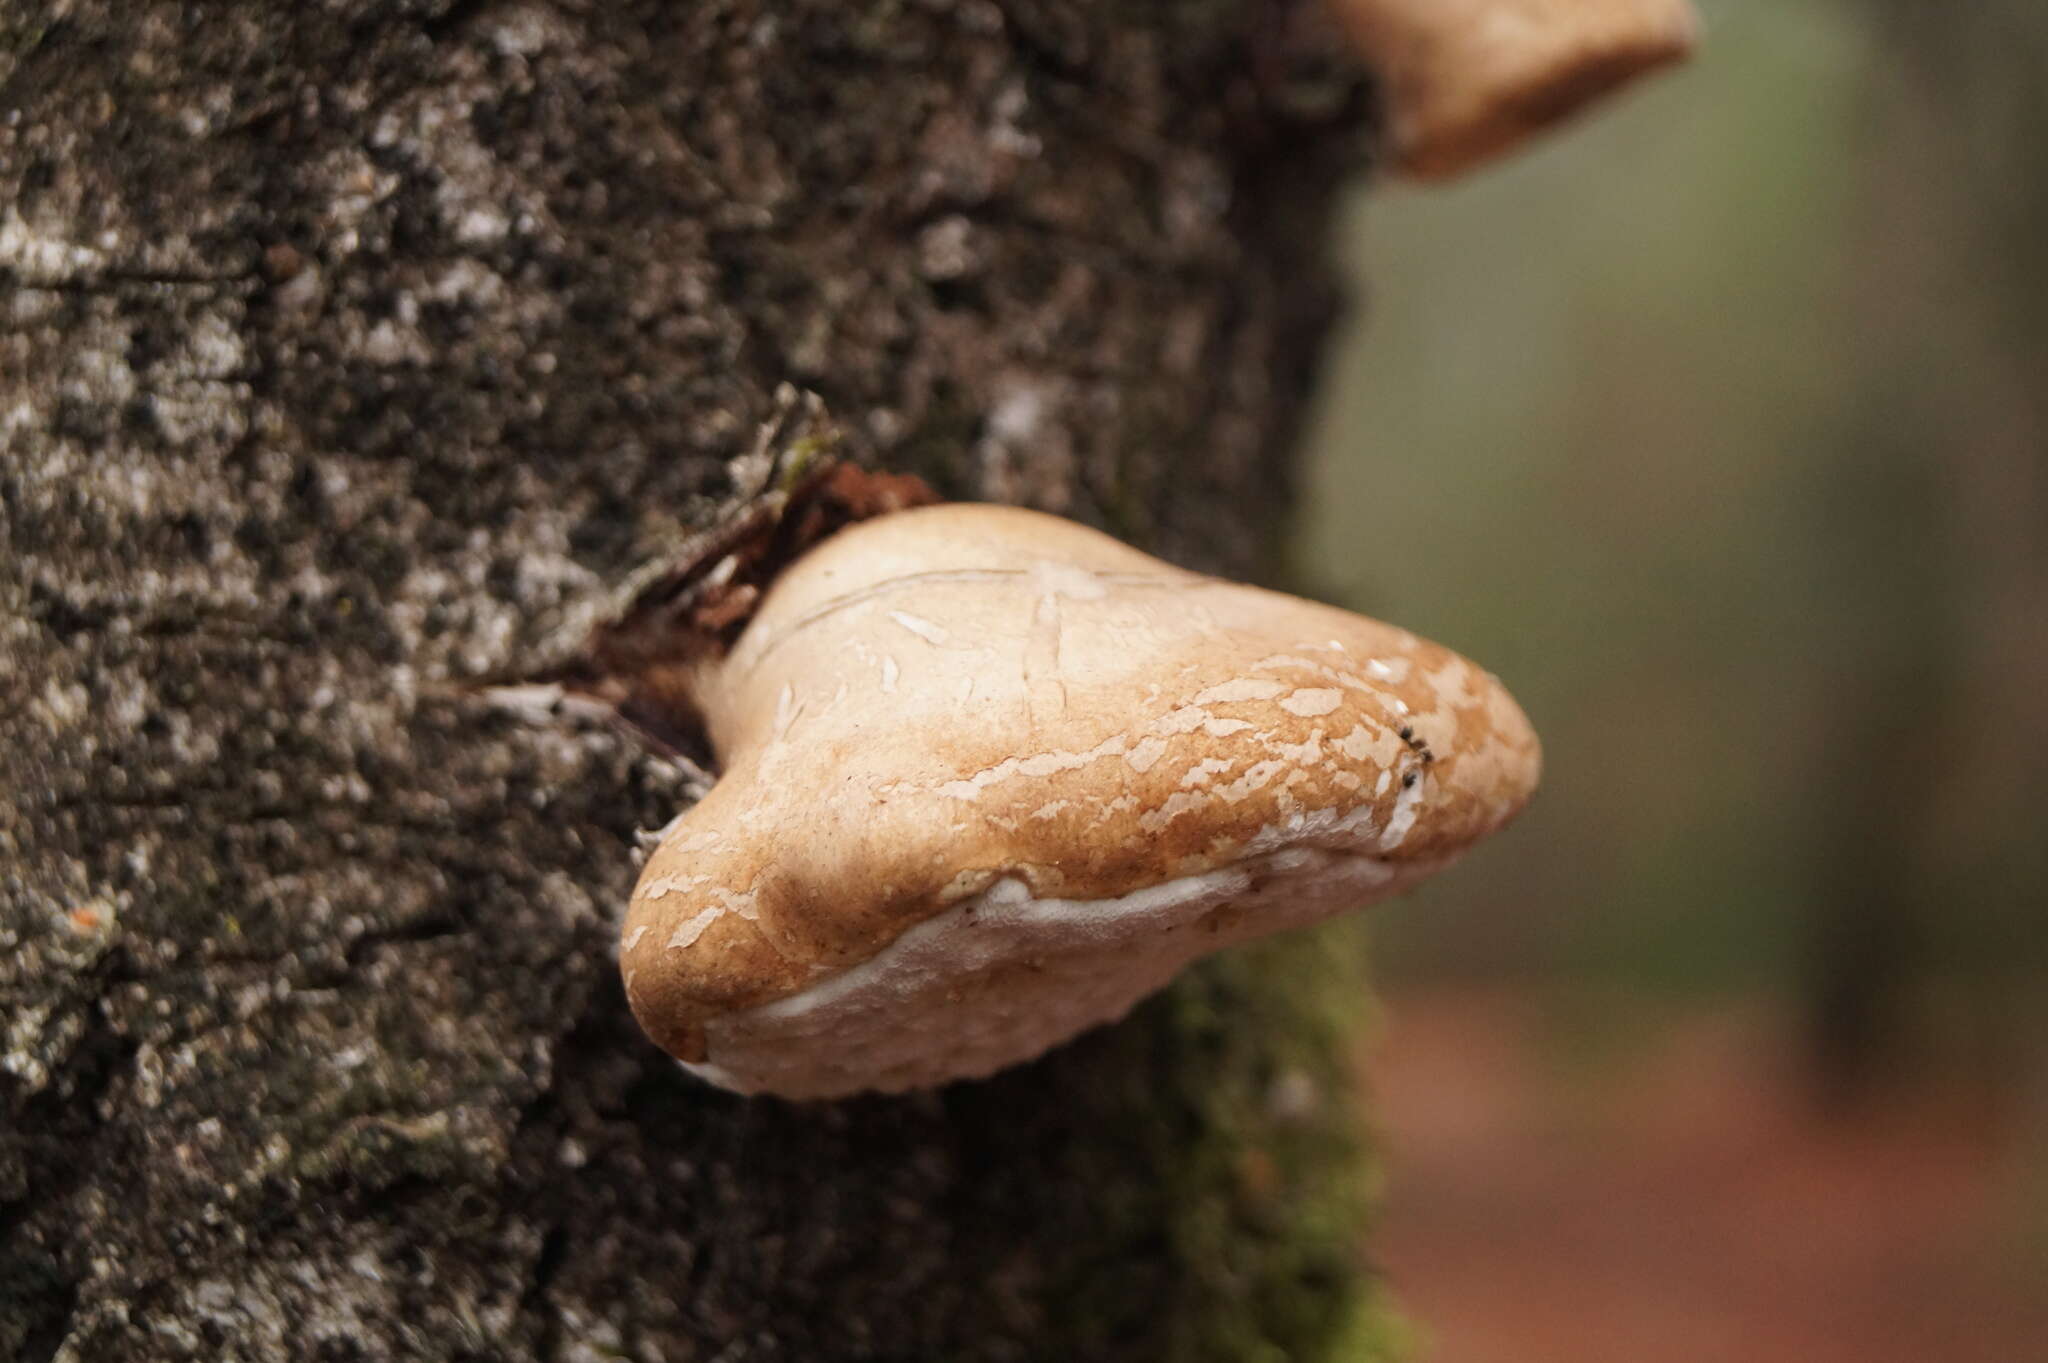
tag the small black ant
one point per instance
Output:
(1420, 745)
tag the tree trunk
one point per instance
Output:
(353, 351)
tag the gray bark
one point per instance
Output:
(353, 351)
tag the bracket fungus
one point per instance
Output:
(990, 777)
(1466, 81)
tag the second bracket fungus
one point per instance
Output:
(990, 777)
(1466, 81)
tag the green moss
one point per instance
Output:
(1249, 1119)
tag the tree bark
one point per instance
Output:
(351, 352)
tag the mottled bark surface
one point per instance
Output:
(354, 350)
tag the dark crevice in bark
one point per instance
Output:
(432, 928)
(58, 1133)
(45, 1309)
(450, 22)
(555, 1248)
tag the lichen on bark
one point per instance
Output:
(352, 352)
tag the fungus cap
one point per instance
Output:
(990, 778)
(1466, 81)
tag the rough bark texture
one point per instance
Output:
(353, 350)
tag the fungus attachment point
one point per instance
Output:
(990, 778)
(1466, 81)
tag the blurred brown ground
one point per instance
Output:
(1687, 1201)
(1717, 428)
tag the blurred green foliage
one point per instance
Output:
(1718, 428)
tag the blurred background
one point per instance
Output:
(1718, 427)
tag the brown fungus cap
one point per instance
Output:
(1466, 81)
(990, 777)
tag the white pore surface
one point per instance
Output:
(1000, 978)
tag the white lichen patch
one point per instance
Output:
(1146, 754)
(1312, 701)
(922, 628)
(695, 927)
(1204, 771)
(1036, 766)
(1407, 808)
(40, 259)
(1242, 689)
(61, 705)
(655, 887)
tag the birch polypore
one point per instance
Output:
(1465, 81)
(990, 778)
